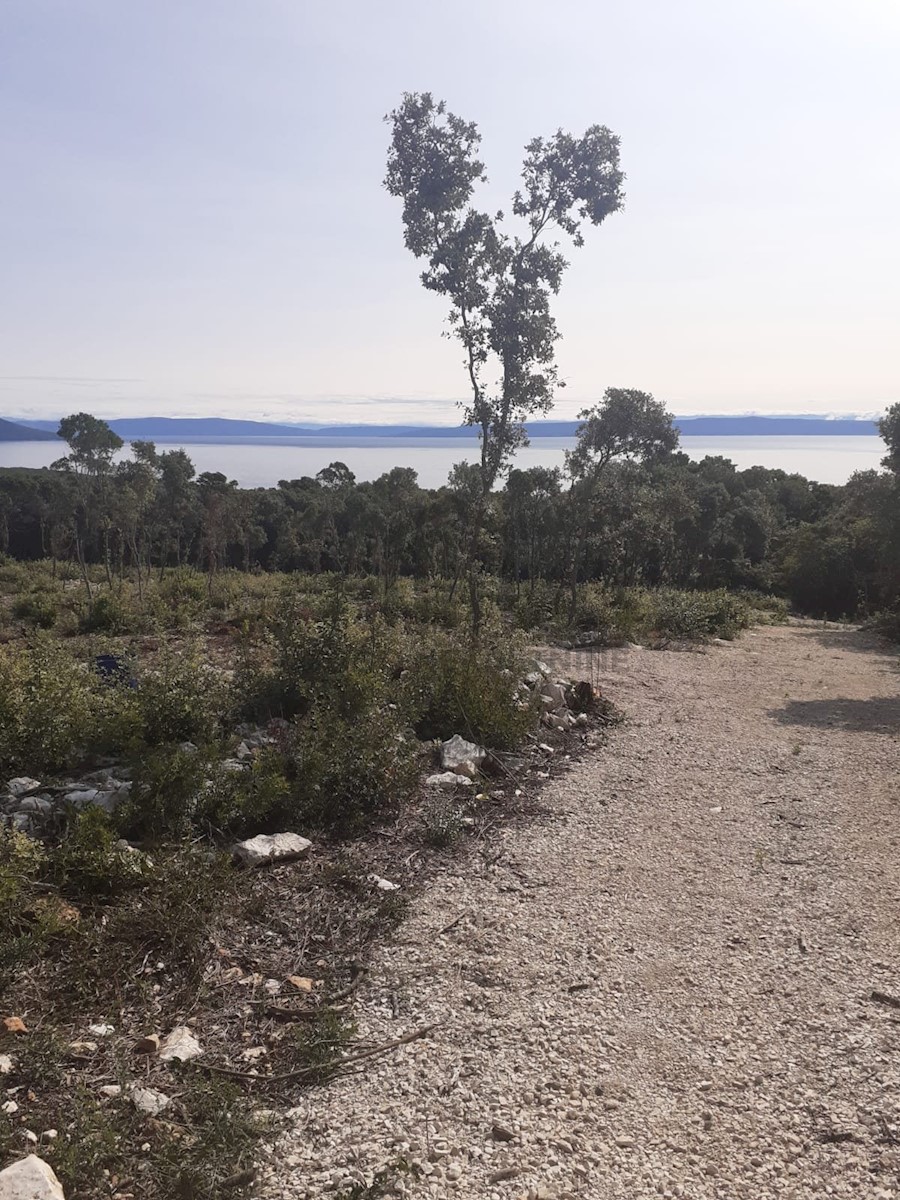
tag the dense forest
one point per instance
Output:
(628, 509)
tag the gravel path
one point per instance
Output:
(665, 989)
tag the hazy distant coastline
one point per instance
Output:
(222, 429)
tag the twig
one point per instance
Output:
(283, 1013)
(239, 1179)
(333, 1064)
(884, 998)
(329, 1004)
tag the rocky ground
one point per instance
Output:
(684, 982)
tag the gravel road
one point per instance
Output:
(665, 988)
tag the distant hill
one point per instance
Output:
(11, 432)
(216, 429)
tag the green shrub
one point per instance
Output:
(182, 699)
(347, 773)
(886, 624)
(37, 609)
(696, 616)
(107, 614)
(48, 704)
(165, 793)
(22, 861)
(329, 662)
(452, 685)
(239, 802)
(90, 860)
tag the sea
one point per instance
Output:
(262, 462)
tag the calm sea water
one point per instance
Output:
(263, 462)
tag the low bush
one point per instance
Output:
(37, 609)
(453, 686)
(182, 698)
(695, 616)
(347, 773)
(886, 624)
(48, 707)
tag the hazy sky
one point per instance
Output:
(192, 219)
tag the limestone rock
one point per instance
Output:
(147, 1100)
(271, 848)
(447, 779)
(456, 751)
(180, 1044)
(23, 786)
(555, 694)
(30, 1179)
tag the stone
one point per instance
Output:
(102, 1030)
(243, 751)
(81, 797)
(111, 1090)
(268, 848)
(554, 693)
(447, 779)
(79, 1049)
(148, 1044)
(181, 1045)
(30, 1179)
(23, 786)
(456, 751)
(235, 765)
(384, 885)
(6, 1064)
(467, 769)
(38, 806)
(149, 1101)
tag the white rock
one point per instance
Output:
(468, 769)
(102, 1030)
(6, 1064)
(9, 1107)
(22, 785)
(38, 805)
(180, 1044)
(384, 885)
(271, 848)
(81, 797)
(555, 694)
(457, 750)
(447, 779)
(149, 1101)
(111, 1090)
(30, 1179)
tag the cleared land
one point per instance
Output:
(666, 987)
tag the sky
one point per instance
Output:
(193, 222)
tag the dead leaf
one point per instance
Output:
(301, 982)
(14, 1025)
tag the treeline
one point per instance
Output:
(627, 510)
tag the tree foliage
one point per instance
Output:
(499, 285)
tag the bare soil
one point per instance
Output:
(677, 983)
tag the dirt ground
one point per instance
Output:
(665, 988)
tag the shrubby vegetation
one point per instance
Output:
(629, 512)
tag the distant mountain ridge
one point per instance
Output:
(11, 431)
(214, 429)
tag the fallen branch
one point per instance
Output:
(333, 1065)
(282, 1012)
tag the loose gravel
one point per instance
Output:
(665, 989)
